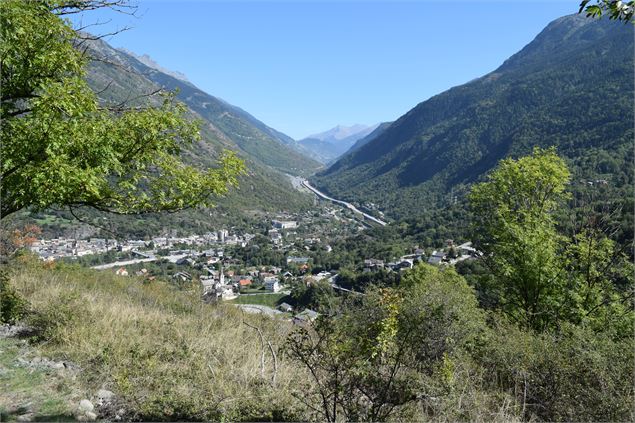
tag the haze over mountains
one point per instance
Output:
(571, 87)
(148, 61)
(329, 145)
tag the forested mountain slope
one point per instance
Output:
(380, 129)
(571, 87)
(121, 79)
(260, 142)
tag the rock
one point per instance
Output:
(25, 418)
(105, 396)
(86, 406)
(91, 417)
(14, 331)
(57, 366)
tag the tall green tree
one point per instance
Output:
(515, 229)
(61, 147)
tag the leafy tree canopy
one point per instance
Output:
(61, 147)
(516, 230)
(614, 9)
(542, 277)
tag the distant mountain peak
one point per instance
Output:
(149, 62)
(340, 132)
(329, 145)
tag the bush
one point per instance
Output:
(574, 374)
(50, 323)
(13, 306)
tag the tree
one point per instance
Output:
(615, 9)
(388, 347)
(62, 147)
(515, 228)
(356, 363)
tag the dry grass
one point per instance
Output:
(163, 351)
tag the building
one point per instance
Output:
(305, 317)
(272, 284)
(297, 260)
(244, 283)
(285, 224)
(182, 276)
(186, 261)
(404, 263)
(436, 257)
(323, 275)
(208, 283)
(373, 264)
(467, 249)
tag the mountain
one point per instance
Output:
(148, 61)
(260, 142)
(571, 87)
(379, 129)
(329, 145)
(120, 77)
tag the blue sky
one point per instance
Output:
(305, 66)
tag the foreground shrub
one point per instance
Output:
(574, 374)
(13, 306)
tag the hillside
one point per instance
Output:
(120, 77)
(379, 129)
(571, 87)
(164, 353)
(260, 142)
(329, 145)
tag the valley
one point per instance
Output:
(167, 256)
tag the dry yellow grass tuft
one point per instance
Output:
(162, 351)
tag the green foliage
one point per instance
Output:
(441, 311)
(358, 367)
(52, 322)
(13, 306)
(614, 9)
(386, 349)
(594, 270)
(574, 374)
(536, 274)
(318, 296)
(62, 148)
(515, 229)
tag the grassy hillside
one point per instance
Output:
(165, 354)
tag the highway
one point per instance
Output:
(172, 259)
(306, 184)
(123, 263)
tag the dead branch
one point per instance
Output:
(275, 364)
